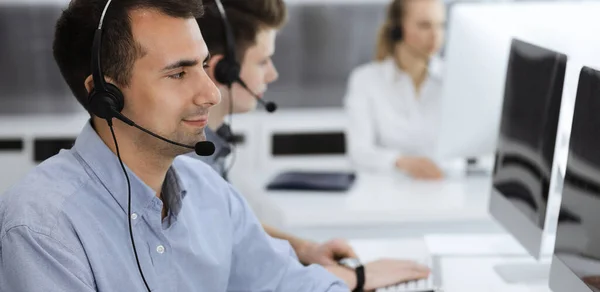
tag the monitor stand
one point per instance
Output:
(524, 272)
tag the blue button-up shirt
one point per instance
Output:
(64, 228)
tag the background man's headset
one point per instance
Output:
(227, 72)
(106, 101)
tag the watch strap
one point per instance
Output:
(360, 279)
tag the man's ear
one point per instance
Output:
(212, 65)
(89, 84)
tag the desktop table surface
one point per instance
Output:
(383, 199)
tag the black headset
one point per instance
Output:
(106, 98)
(396, 19)
(227, 70)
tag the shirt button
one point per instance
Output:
(134, 216)
(160, 249)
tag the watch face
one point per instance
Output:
(350, 263)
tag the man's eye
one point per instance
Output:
(179, 75)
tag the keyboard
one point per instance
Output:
(423, 285)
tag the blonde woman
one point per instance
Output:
(393, 102)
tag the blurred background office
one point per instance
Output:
(316, 51)
(323, 42)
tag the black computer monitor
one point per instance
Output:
(576, 260)
(526, 142)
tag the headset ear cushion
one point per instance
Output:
(117, 96)
(102, 103)
(396, 33)
(227, 72)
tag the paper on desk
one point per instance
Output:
(473, 245)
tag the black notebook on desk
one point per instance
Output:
(333, 181)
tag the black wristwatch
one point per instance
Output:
(355, 265)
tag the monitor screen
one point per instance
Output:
(578, 230)
(526, 141)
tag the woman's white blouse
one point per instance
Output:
(387, 119)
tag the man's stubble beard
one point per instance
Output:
(159, 148)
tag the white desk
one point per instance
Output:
(458, 273)
(377, 201)
(388, 199)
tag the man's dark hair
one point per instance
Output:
(75, 33)
(246, 18)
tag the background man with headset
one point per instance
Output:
(240, 36)
(72, 223)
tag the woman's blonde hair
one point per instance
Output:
(385, 40)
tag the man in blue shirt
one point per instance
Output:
(64, 227)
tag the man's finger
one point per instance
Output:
(421, 268)
(342, 249)
(326, 261)
(411, 265)
(416, 275)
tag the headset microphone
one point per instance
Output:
(202, 148)
(269, 105)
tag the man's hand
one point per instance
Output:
(419, 167)
(382, 273)
(325, 254)
(387, 272)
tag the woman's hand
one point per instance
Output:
(420, 168)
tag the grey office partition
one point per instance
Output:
(30, 82)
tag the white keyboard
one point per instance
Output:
(423, 285)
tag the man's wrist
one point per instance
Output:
(345, 274)
(359, 270)
(302, 247)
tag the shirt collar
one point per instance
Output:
(174, 191)
(434, 70)
(105, 166)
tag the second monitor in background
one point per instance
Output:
(478, 44)
(525, 149)
(576, 261)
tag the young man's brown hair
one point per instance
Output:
(246, 19)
